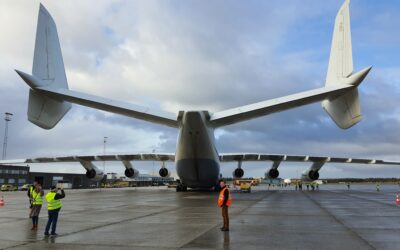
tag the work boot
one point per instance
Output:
(36, 227)
(33, 227)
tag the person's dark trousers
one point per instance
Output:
(35, 220)
(225, 217)
(53, 217)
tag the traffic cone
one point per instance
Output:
(2, 201)
(397, 200)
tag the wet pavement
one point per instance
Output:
(160, 218)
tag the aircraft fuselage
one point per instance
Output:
(196, 159)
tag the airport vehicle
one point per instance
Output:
(196, 158)
(64, 185)
(8, 187)
(245, 187)
(25, 187)
(253, 182)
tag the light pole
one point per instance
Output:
(153, 151)
(104, 152)
(7, 118)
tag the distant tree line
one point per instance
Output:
(361, 180)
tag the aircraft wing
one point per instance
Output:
(312, 174)
(300, 158)
(86, 158)
(92, 171)
(263, 108)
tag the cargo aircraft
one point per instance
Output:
(196, 158)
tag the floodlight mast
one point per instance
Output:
(7, 118)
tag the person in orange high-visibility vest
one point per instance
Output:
(224, 201)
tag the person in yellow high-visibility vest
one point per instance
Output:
(30, 189)
(36, 205)
(224, 201)
(54, 206)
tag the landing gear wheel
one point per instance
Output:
(181, 188)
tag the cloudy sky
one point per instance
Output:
(179, 55)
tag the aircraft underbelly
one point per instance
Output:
(198, 173)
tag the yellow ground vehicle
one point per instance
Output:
(8, 187)
(245, 187)
(253, 182)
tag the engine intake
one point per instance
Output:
(313, 175)
(272, 173)
(238, 173)
(164, 172)
(310, 175)
(131, 173)
(94, 174)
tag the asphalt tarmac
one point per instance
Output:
(160, 218)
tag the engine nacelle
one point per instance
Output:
(95, 174)
(164, 172)
(310, 175)
(238, 173)
(272, 173)
(131, 173)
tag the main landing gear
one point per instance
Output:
(180, 187)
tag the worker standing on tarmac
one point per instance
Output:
(54, 206)
(378, 187)
(224, 201)
(30, 189)
(36, 205)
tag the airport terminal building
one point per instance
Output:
(20, 175)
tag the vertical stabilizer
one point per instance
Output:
(48, 70)
(48, 64)
(344, 110)
(341, 57)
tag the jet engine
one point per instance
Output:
(310, 175)
(272, 173)
(238, 173)
(95, 174)
(164, 172)
(92, 172)
(131, 173)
